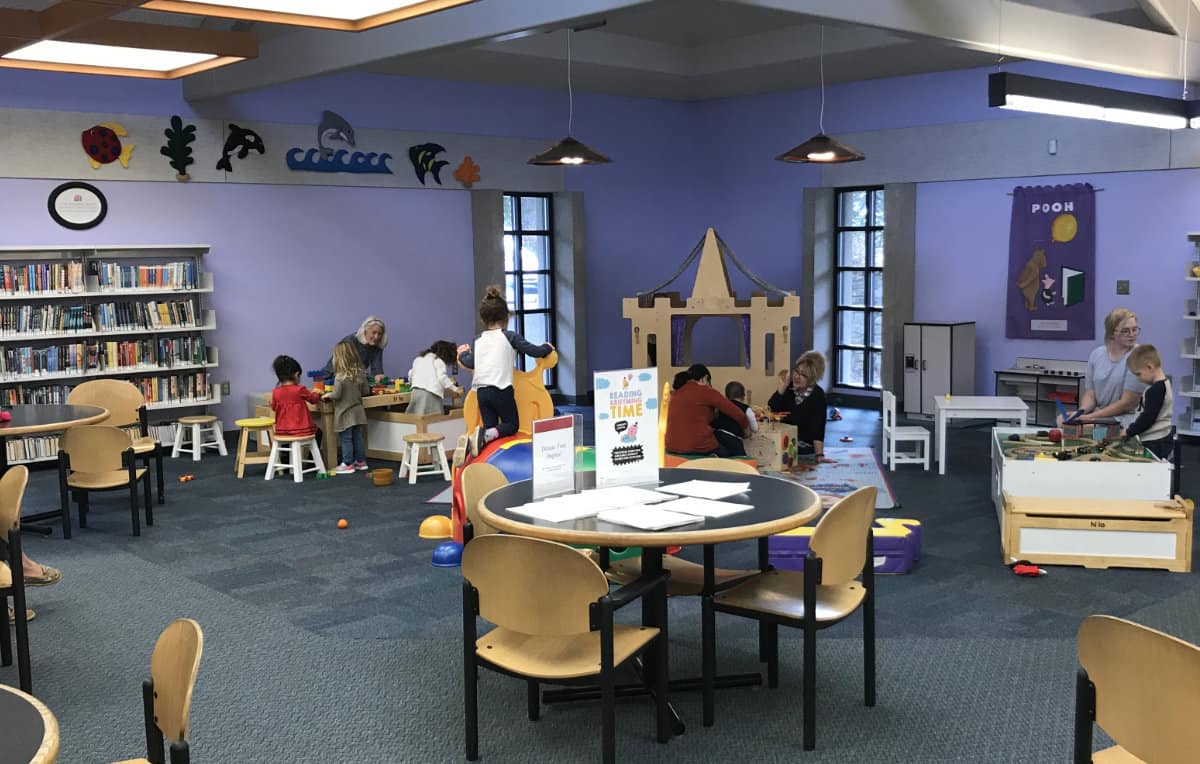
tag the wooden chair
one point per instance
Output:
(825, 593)
(554, 623)
(687, 577)
(1139, 685)
(12, 578)
(478, 480)
(126, 409)
(167, 694)
(893, 433)
(100, 458)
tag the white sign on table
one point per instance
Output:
(553, 456)
(627, 407)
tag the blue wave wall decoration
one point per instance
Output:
(341, 161)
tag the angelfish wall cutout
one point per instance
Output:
(424, 161)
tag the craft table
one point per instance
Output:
(778, 505)
(1000, 407)
(28, 730)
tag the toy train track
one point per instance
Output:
(1041, 446)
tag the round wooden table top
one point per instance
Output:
(778, 505)
(27, 728)
(28, 418)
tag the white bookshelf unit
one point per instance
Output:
(137, 312)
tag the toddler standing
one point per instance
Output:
(1155, 409)
(429, 379)
(349, 416)
(493, 358)
(290, 399)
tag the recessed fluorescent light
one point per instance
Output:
(109, 56)
(345, 15)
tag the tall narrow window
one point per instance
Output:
(858, 287)
(529, 270)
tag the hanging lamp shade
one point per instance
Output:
(569, 151)
(823, 149)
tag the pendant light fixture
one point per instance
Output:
(821, 148)
(569, 151)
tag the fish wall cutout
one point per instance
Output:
(241, 140)
(424, 161)
(333, 127)
(102, 144)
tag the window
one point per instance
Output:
(529, 270)
(858, 288)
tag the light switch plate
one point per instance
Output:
(1123, 286)
(224, 388)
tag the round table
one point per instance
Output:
(32, 418)
(27, 728)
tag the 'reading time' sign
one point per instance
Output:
(627, 407)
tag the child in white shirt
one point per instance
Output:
(429, 379)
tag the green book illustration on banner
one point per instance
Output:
(1073, 283)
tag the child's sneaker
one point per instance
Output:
(344, 469)
(477, 441)
(361, 466)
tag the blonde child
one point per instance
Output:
(429, 379)
(290, 399)
(349, 416)
(492, 359)
(1155, 409)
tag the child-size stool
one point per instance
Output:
(293, 446)
(261, 427)
(410, 462)
(203, 431)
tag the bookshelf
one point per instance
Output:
(136, 312)
(1188, 422)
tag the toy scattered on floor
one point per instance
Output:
(835, 415)
(186, 478)
(846, 439)
(382, 476)
(435, 527)
(343, 523)
(323, 475)
(447, 554)
(1026, 568)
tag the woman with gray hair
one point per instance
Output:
(369, 340)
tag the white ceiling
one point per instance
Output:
(697, 49)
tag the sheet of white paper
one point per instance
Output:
(624, 496)
(706, 489)
(690, 505)
(555, 511)
(647, 518)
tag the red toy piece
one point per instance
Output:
(1026, 568)
(1055, 436)
(5, 416)
(187, 477)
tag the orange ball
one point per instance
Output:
(343, 523)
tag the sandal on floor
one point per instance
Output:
(49, 577)
(29, 616)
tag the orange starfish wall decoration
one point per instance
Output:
(467, 172)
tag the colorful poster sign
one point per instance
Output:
(553, 456)
(627, 403)
(1051, 282)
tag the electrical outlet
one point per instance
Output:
(1123, 286)
(224, 388)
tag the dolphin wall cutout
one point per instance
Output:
(334, 127)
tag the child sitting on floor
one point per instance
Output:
(290, 399)
(736, 393)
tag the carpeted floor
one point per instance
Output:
(340, 646)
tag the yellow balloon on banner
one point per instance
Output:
(1064, 227)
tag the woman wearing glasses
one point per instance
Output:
(801, 398)
(1111, 391)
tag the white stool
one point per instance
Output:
(203, 431)
(410, 462)
(293, 446)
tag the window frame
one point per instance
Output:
(872, 346)
(516, 303)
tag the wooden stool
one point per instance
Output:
(293, 445)
(261, 427)
(204, 431)
(411, 460)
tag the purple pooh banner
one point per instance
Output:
(1052, 263)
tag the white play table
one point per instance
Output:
(999, 407)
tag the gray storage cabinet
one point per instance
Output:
(939, 358)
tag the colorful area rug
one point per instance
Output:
(851, 469)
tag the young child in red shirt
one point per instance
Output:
(290, 399)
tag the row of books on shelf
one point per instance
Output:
(33, 278)
(179, 388)
(85, 357)
(179, 275)
(42, 447)
(17, 320)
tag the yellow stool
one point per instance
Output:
(204, 431)
(410, 462)
(261, 427)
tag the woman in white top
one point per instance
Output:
(1111, 391)
(429, 379)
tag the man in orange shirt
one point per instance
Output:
(689, 416)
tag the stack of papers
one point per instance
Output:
(559, 509)
(707, 489)
(690, 505)
(646, 518)
(624, 496)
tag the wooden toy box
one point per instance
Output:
(768, 445)
(1099, 533)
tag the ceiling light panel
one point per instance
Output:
(109, 56)
(344, 15)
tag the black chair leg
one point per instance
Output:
(19, 620)
(158, 457)
(1085, 715)
(146, 497)
(771, 630)
(662, 690)
(63, 496)
(133, 508)
(533, 699)
(608, 718)
(708, 641)
(810, 687)
(81, 499)
(6, 657)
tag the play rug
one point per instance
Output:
(852, 468)
(443, 496)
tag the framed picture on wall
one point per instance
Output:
(77, 205)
